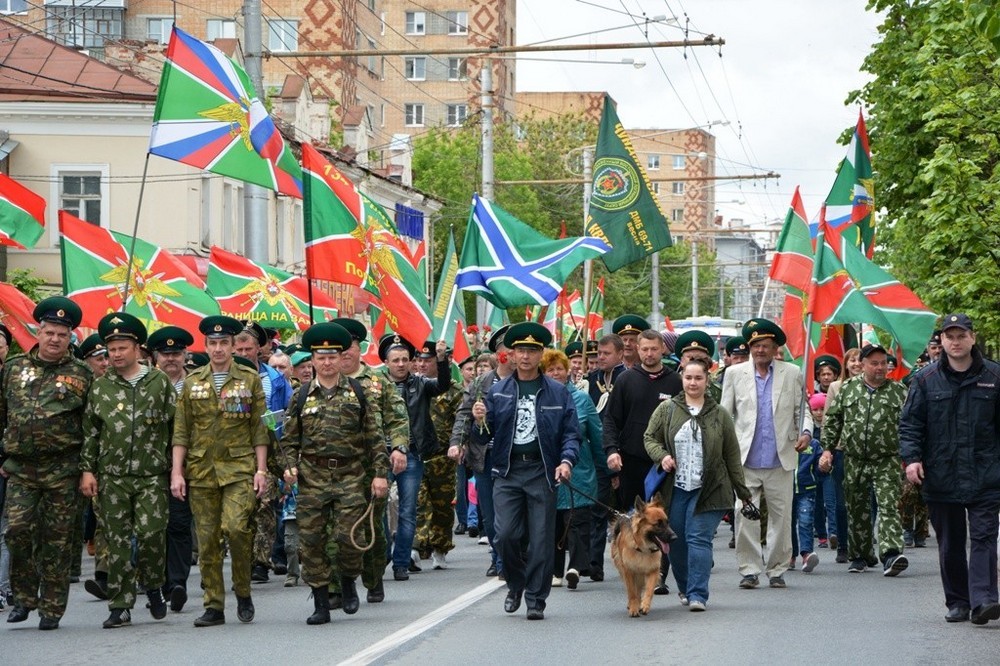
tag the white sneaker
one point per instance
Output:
(809, 562)
(438, 560)
(572, 578)
(696, 606)
(484, 541)
(556, 581)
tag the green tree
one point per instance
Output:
(934, 112)
(27, 282)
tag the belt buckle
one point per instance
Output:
(332, 463)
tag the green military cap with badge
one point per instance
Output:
(591, 347)
(629, 324)
(326, 338)
(574, 349)
(427, 350)
(354, 327)
(219, 326)
(394, 341)
(827, 361)
(92, 345)
(58, 310)
(258, 332)
(497, 338)
(197, 360)
(759, 329)
(527, 334)
(695, 341)
(121, 326)
(737, 346)
(169, 339)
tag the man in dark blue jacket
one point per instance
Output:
(949, 439)
(536, 438)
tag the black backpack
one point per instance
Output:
(358, 392)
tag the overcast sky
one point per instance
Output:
(785, 71)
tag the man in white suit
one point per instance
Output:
(765, 399)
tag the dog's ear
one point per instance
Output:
(655, 501)
(640, 506)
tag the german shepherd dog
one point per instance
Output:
(637, 541)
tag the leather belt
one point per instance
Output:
(526, 457)
(323, 462)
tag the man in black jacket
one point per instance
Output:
(949, 439)
(397, 354)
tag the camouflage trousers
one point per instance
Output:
(913, 511)
(219, 512)
(373, 560)
(329, 503)
(435, 516)
(133, 506)
(76, 539)
(861, 479)
(265, 526)
(42, 515)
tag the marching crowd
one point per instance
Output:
(302, 461)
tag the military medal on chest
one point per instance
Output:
(28, 375)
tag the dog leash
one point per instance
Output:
(574, 489)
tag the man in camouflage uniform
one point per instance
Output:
(218, 433)
(391, 420)
(333, 435)
(42, 397)
(435, 517)
(124, 464)
(864, 418)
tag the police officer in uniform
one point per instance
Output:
(331, 438)
(219, 436)
(124, 464)
(42, 397)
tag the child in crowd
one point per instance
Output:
(803, 514)
(288, 504)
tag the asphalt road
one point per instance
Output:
(455, 616)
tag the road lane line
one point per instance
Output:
(395, 640)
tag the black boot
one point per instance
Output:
(321, 601)
(376, 595)
(349, 592)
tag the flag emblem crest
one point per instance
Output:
(144, 286)
(616, 184)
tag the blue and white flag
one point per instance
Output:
(509, 264)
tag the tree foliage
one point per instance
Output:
(934, 112)
(448, 165)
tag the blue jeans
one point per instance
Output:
(461, 495)
(803, 515)
(484, 493)
(691, 551)
(407, 487)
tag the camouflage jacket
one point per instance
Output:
(126, 429)
(220, 430)
(331, 427)
(41, 414)
(390, 410)
(865, 423)
(444, 409)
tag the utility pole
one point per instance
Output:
(655, 266)
(486, 100)
(255, 197)
(694, 277)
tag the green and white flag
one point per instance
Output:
(448, 305)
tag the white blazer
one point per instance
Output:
(739, 396)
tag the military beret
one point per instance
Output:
(354, 327)
(58, 310)
(756, 330)
(5, 332)
(694, 341)
(574, 349)
(827, 360)
(326, 338)
(219, 326)
(527, 334)
(197, 360)
(257, 330)
(121, 326)
(169, 339)
(427, 350)
(629, 324)
(92, 345)
(393, 341)
(497, 338)
(737, 346)
(298, 357)
(957, 320)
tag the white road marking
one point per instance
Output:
(432, 619)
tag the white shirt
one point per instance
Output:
(690, 456)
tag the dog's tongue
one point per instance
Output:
(664, 546)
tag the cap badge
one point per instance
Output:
(60, 313)
(170, 343)
(217, 328)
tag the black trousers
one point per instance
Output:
(572, 536)
(632, 480)
(599, 523)
(179, 544)
(969, 581)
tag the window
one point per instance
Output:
(656, 188)
(416, 23)
(458, 23)
(677, 215)
(679, 161)
(415, 69)
(372, 59)
(13, 6)
(80, 195)
(677, 188)
(282, 35)
(414, 114)
(653, 162)
(457, 113)
(457, 69)
(220, 29)
(85, 27)
(158, 29)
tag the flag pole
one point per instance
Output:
(135, 232)
(588, 265)
(763, 297)
(805, 372)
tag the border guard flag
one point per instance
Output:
(623, 211)
(509, 264)
(22, 214)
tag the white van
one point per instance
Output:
(720, 329)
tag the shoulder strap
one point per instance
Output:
(359, 392)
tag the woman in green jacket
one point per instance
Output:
(695, 442)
